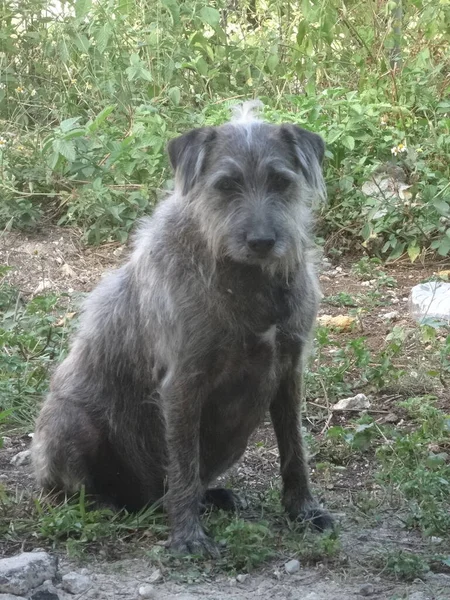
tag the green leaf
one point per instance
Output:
(173, 8)
(124, 6)
(134, 59)
(145, 75)
(68, 124)
(444, 246)
(175, 95)
(82, 7)
(397, 251)
(272, 62)
(302, 29)
(202, 66)
(65, 148)
(101, 117)
(210, 16)
(413, 252)
(102, 37)
(441, 206)
(132, 72)
(349, 142)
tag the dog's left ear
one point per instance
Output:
(308, 151)
(188, 155)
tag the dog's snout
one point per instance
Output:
(261, 245)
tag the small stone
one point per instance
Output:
(155, 576)
(292, 566)
(435, 540)
(21, 458)
(21, 573)
(67, 271)
(43, 285)
(390, 316)
(358, 402)
(75, 583)
(390, 418)
(363, 537)
(242, 577)
(147, 591)
(367, 589)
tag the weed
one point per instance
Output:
(404, 565)
(33, 335)
(340, 299)
(416, 466)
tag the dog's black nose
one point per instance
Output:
(260, 245)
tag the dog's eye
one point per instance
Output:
(278, 183)
(227, 184)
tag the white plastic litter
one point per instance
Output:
(430, 302)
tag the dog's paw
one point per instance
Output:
(310, 513)
(198, 544)
(222, 499)
(317, 517)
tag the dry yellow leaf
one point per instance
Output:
(341, 322)
(444, 274)
(67, 317)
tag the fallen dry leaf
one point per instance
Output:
(444, 274)
(341, 322)
(66, 317)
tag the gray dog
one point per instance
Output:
(181, 351)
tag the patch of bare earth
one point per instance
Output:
(57, 261)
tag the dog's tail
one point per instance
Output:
(247, 111)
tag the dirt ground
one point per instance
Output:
(58, 261)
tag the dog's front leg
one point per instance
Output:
(183, 400)
(285, 414)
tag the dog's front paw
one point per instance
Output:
(194, 543)
(317, 517)
(310, 513)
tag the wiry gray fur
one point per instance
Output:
(182, 350)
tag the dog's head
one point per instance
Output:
(251, 186)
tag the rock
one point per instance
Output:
(43, 285)
(11, 597)
(67, 271)
(391, 316)
(147, 591)
(276, 574)
(155, 576)
(358, 402)
(436, 540)
(366, 590)
(21, 458)
(75, 583)
(292, 566)
(44, 595)
(21, 573)
(242, 577)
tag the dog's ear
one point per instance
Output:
(308, 150)
(188, 154)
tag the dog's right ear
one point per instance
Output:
(188, 154)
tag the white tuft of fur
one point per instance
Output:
(247, 111)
